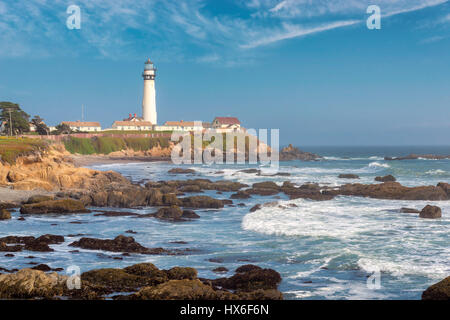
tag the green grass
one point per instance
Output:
(11, 148)
(134, 132)
(107, 145)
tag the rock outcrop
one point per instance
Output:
(119, 244)
(348, 176)
(63, 206)
(390, 190)
(28, 283)
(29, 243)
(293, 153)
(388, 178)
(5, 214)
(431, 212)
(438, 291)
(146, 280)
(418, 156)
(53, 170)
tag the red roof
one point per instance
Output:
(227, 120)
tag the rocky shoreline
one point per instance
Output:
(142, 281)
(69, 190)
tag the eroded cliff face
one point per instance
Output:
(53, 170)
(156, 152)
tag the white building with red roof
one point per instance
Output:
(83, 126)
(226, 124)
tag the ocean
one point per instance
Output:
(335, 249)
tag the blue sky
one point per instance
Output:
(310, 68)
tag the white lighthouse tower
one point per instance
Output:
(149, 99)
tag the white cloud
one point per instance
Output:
(294, 31)
(129, 28)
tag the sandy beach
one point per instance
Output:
(18, 196)
(89, 160)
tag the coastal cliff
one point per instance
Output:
(52, 169)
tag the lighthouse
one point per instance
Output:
(149, 98)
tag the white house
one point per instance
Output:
(181, 126)
(226, 124)
(83, 126)
(132, 125)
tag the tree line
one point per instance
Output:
(16, 121)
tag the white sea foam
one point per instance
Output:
(378, 165)
(333, 158)
(368, 229)
(436, 172)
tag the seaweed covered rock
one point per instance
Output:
(250, 278)
(388, 178)
(30, 243)
(5, 214)
(173, 213)
(438, 291)
(431, 212)
(116, 280)
(148, 270)
(119, 244)
(240, 195)
(202, 202)
(179, 290)
(180, 273)
(39, 198)
(65, 206)
(390, 190)
(293, 153)
(348, 176)
(181, 171)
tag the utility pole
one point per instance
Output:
(10, 121)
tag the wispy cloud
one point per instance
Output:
(294, 31)
(171, 28)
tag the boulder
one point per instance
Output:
(5, 214)
(446, 187)
(179, 290)
(28, 283)
(388, 178)
(431, 212)
(181, 171)
(409, 210)
(148, 270)
(180, 273)
(249, 279)
(265, 185)
(39, 198)
(65, 206)
(119, 244)
(116, 280)
(189, 214)
(293, 153)
(7, 205)
(202, 202)
(348, 176)
(390, 190)
(173, 213)
(240, 195)
(220, 270)
(438, 291)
